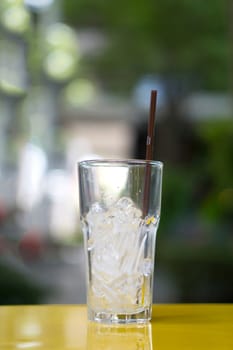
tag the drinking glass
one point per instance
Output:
(120, 203)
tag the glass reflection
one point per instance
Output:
(106, 337)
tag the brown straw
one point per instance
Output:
(149, 149)
(151, 126)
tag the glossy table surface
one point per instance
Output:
(178, 326)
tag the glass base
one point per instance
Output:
(142, 316)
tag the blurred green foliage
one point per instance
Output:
(205, 187)
(195, 238)
(182, 37)
(17, 288)
(218, 137)
(218, 165)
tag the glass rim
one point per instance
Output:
(120, 162)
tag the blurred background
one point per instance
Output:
(75, 81)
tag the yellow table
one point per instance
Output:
(190, 326)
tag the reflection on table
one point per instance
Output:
(65, 327)
(117, 337)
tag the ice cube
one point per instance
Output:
(118, 238)
(95, 215)
(124, 203)
(96, 208)
(97, 222)
(127, 211)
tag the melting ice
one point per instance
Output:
(117, 240)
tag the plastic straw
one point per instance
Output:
(151, 126)
(149, 149)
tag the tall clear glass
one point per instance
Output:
(120, 203)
